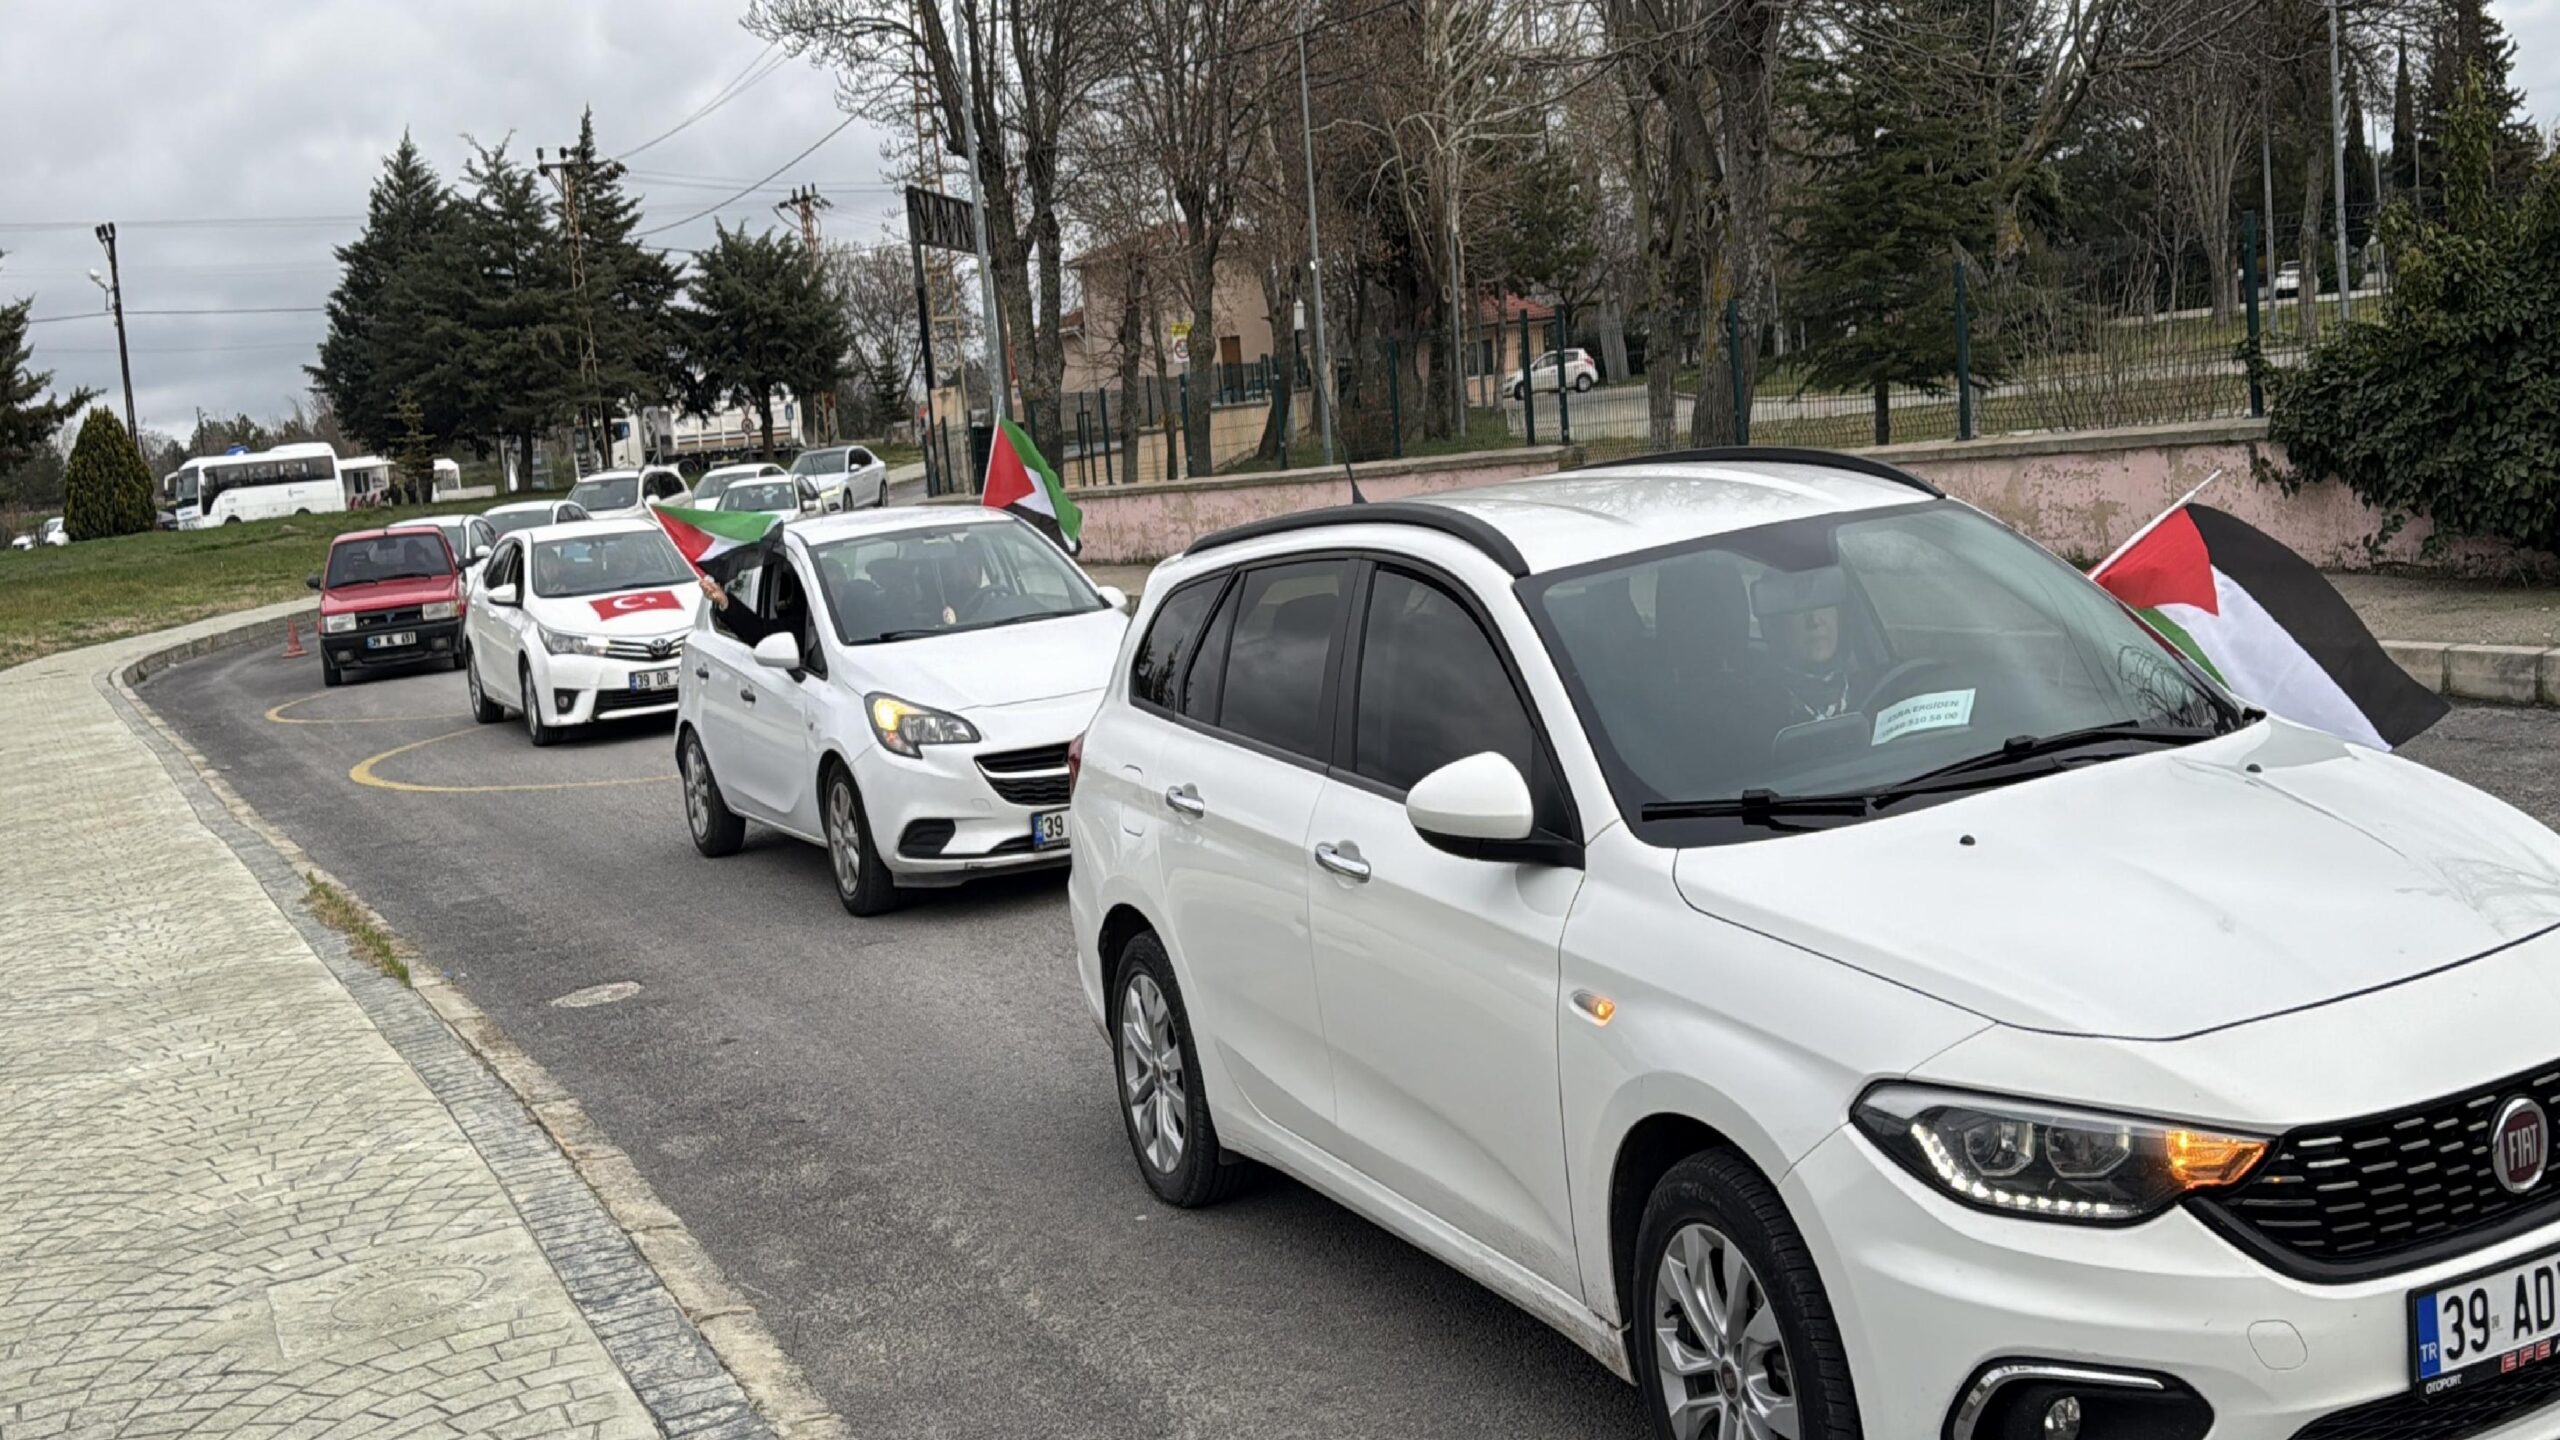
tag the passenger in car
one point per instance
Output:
(1800, 612)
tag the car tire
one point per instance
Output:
(1581, 383)
(483, 709)
(230, 519)
(716, 830)
(330, 675)
(1755, 1332)
(863, 881)
(1157, 1065)
(534, 729)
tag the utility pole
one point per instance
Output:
(568, 175)
(1315, 256)
(997, 382)
(114, 286)
(2338, 168)
(808, 202)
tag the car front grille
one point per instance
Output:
(2387, 1192)
(646, 651)
(387, 619)
(1035, 777)
(2457, 1414)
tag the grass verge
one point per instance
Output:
(64, 597)
(332, 907)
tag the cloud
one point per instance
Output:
(261, 116)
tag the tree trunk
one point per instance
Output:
(764, 411)
(1743, 93)
(1456, 290)
(1279, 304)
(524, 453)
(1611, 326)
(1172, 453)
(2315, 200)
(1884, 412)
(1133, 349)
(1197, 409)
(1044, 380)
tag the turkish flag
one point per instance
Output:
(637, 601)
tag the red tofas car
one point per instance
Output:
(388, 597)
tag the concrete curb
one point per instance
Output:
(737, 1335)
(2496, 674)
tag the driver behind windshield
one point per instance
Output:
(1800, 615)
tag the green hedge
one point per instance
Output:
(106, 489)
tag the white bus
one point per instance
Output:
(288, 480)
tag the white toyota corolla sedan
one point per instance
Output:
(899, 686)
(1813, 948)
(576, 623)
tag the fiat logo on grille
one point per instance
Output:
(2520, 1145)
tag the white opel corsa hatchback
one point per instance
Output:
(899, 686)
(1812, 947)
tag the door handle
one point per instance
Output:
(701, 672)
(748, 696)
(1344, 860)
(1185, 800)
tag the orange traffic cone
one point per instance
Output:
(293, 640)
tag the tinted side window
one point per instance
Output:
(1280, 652)
(1170, 642)
(1432, 687)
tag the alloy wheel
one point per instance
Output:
(1721, 1357)
(697, 790)
(1151, 1069)
(844, 837)
(532, 716)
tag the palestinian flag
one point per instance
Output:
(1020, 481)
(2269, 626)
(720, 543)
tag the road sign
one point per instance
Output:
(941, 222)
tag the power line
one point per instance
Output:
(741, 195)
(720, 97)
(211, 222)
(243, 310)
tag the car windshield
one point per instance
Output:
(410, 555)
(606, 492)
(820, 462)
(507, 522)
(712, 488)
(912, 584)
(1843, 654)
(596, 564)
(761, 495)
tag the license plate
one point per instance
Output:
(391, 641)
(1048, 829)
(648, 680)
(2487, 1326)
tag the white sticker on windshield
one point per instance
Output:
(1937, 710)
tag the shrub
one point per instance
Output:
(106, 489)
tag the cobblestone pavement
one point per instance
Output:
(252, 1188)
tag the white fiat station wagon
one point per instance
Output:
(1812, 947)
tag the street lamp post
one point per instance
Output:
(113, 283)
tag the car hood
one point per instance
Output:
(389, 594)
(2159, 895)
(1005, 665)
(642, 611)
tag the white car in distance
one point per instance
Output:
(628, 494)
(716, 481)
(572, 624)
(900, 687)
(847, 476)
(470, 537)
(789, 496)
(526, 514)
(1816, 950)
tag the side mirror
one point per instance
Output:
(778, 652)
(1480, 809)
(311, 580)
(478, 554)
(1116, 598)
(506, 595)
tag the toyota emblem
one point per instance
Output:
(658, 649)
(2520, 1145)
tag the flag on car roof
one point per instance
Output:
(2269, 626)
(720, 543)
(1019, 481)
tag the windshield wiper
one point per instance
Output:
(1760, 807)
(2037, 747)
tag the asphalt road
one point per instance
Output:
(896, 1135)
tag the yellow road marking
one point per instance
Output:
(363, 774)
(276, 714)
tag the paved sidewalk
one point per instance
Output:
(238, 1199)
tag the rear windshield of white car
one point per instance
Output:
(507, 522)
(820, 462)
(761, 495)
(619, 492)
(913, 584)
(597, 564)
(1842, 654)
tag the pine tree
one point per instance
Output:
(414, 457)
(2405, 176)
(27, 419)
(106, 489)
(408, 213)
(2468, 40)
(623, 292)
(764, 318)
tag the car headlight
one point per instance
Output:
(436, 610)
(2050, 1162)
(560, 642)
(337, 624)
(905, 728)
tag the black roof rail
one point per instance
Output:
(1783, 455)
(1455, 523)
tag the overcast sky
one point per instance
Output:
(273, 116)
